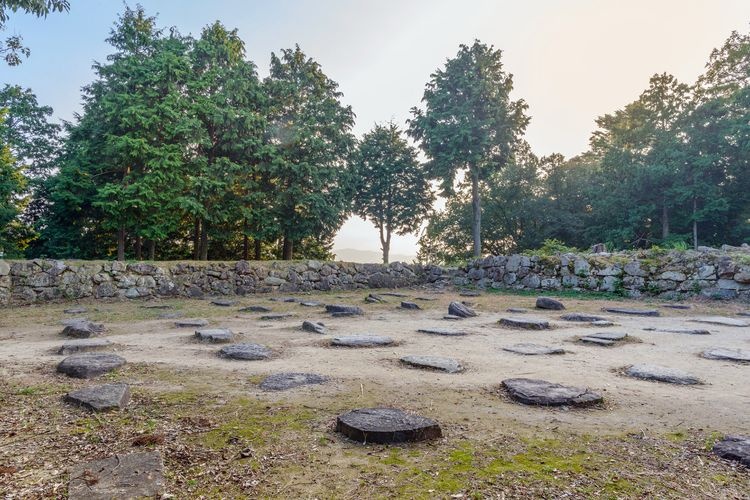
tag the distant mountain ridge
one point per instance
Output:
(369, 256)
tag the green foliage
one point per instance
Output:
(12, 49)
(392, 189)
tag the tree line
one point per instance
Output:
(182, 151)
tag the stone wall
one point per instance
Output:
(35, 281)
(712, 273)
(719, 274)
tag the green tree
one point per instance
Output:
(310, 134)
(469, 122)
(12, 186)
(13, 48)
(392, 189)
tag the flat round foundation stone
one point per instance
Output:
(549, 303)
(661, 374)
(386, 425)
(439, 363)
(442, 331)
(215, 335)
(190, 323)
(631, 312)
(342, 309)
(460, 310)
(525, 323)
(361, 341)
(533, 349)
(245, 352)
(83, 345)
(721, 321)
(285, 381)
(722, 353)
(587, 318)
(90, 364)
(100, 397)
(735, 448)
(540, 392)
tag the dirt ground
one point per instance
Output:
(223, 437)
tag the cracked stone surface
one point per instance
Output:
(245, 352)
(126, 476)
(100, 397)
(661, 374)
(90, 364)
(285, 381)
(543, 393)
(386, 425)
(447, 365)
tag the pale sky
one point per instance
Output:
(572, 60)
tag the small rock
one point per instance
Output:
(215, 335)
(460, 310)
(100, 397)
(375, 299)
(452, 317)
(526, 324)
(82, 328)
(256, 309)
(245, 352)
(190, 323)
(661, 374)
(386, 425)
(83, 345)
(442, 332)
(135, 475)
(588, 318)
(361, 341)
(736, 448)
(632, 312)
(285, 381)
(313, 327)
(540, 392)
(533, 349)
(725, 354)
(721, 321)
(410, 305)
(549, 303)
(447, 365)
(89, 365)
(344, 309)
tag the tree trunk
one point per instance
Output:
(257, 248)
(245, 247)
(204, 241)
(664, 220)
(385, 242)
(288, 249)
(695, 223)
(138, 248)
(151, 250)
(477, 209)
(121, 244)
(197, 239)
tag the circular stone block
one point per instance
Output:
(215, 335)
(525, 324)
(631, 312)
(549, 303)
(735, 448)
(661, 374)
(188, 323)
(284, 381)
(725, 354)
(447, 365)
(442, 331)
(386, 425)
(460, 310)
(245, 352)
(361, 341)
(587, 318)
(540, 392)
(83, 345)
(721, 321)
(89, 365)
(100, 397)
(533, 349)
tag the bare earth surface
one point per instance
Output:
(222, 436)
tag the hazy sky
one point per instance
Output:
(572, 60)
